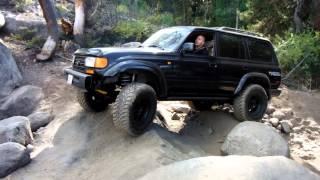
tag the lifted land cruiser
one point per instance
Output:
(241, 68)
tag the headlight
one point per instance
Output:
(96, 62)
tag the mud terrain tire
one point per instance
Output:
(251, 104)
(134, 108)
(91, 102)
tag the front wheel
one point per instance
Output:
(135, 108)
(251, 104)
(92, 102)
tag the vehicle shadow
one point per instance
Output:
(206, 131)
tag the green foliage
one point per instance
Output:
(295, 47)
(134, 30)
(20, 4)
(268, 17)
(35, 42)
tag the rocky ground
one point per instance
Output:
(80, 145)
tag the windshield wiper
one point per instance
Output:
(156, 46)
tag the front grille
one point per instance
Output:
(78, 63)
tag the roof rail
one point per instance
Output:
(239, 31)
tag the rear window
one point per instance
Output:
(260, 50)
(231, 46)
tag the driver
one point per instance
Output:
(200, 47)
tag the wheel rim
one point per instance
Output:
(142, 112)
(255, 106)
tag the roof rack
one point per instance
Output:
(239, 31)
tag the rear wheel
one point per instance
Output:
(202, 105)
(251, 104)
(135, 108)
(92, 102)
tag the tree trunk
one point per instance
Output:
(79, 22)
(301, 14)
(53, 30)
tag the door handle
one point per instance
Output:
(213, 65)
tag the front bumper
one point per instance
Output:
(78, 79)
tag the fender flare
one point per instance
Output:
(263, 78)
(137, 65)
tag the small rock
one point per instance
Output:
(274, 122)
(13, 156)
(266, 116)
(285, 127)
(175, 117)
(279, 127)
(268, 124)
(210, 131)
(2, 20)
(288, 112)
(271, 109)
(39, 119)
(278, 114)
(16, 129)
(181, 108)
(30, 148)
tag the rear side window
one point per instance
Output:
(231, 46)
(260, 50)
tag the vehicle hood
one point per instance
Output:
(117, 50)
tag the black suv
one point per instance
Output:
(240, 68)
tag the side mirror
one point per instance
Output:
(187, 47)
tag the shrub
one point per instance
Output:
(294, 48)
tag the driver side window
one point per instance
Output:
(204, 43)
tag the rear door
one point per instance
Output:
(233, 63)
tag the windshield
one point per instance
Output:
(167, 39)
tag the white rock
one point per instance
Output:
(288, 112)
(233, 167)
(274, 122)
(256, 139)
(181, 108)
(278, 114)
(2, 20)
(13, 156)
(16, 129)
(270, 109)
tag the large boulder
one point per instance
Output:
(233, 167)
(13, 156)
(16, 129)
(10, 76)
(256, 139)
(21, 102)
(21, 23)
(39, 119)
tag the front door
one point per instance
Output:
(196, 76)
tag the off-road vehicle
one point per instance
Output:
(241, 69)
